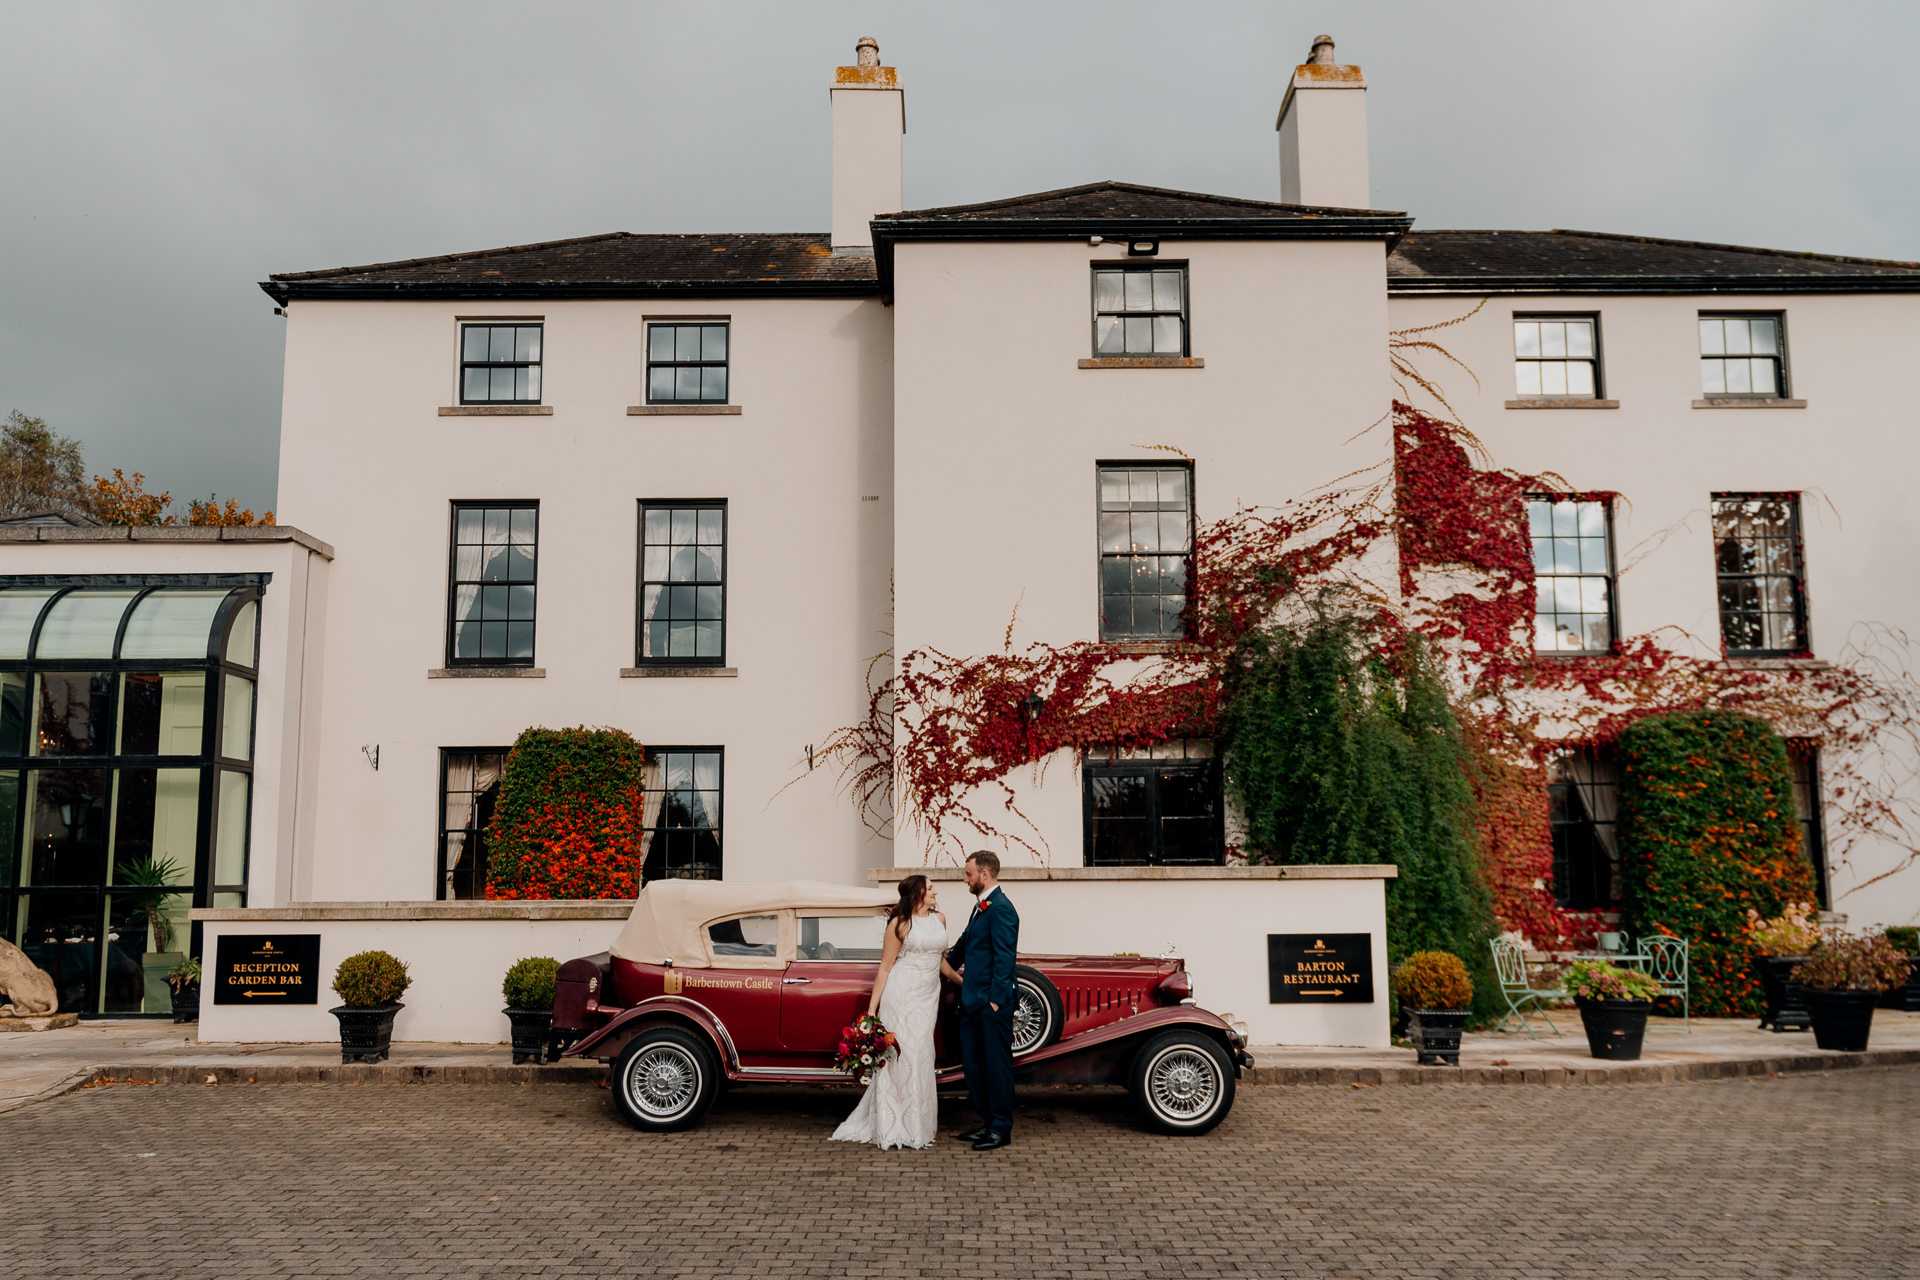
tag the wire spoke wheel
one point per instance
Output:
(1183, 1083)
(663, 1082)
(1029, 1020)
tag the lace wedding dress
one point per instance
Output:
(901, 1107)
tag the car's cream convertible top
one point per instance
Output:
(669, 914)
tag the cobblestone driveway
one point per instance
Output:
(1813, 1176)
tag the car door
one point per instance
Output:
(830, 980)
(741, 983)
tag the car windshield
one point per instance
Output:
(745, 936)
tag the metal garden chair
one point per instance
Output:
(1510, 963)
(1665, 961)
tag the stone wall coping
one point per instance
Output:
(16, 534)
(1010, 875)
(552, 909)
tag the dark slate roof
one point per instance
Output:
(618, 264)
(1126, 200)
(1596, 262)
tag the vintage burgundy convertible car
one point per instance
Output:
(711, 981)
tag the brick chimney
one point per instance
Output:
(869, 119)
(1323, 133)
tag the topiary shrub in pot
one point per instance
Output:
(528, 989)
(371, 983)
(1844, 978)
(1906, 996)
(1437, 995)
(1614, 1002)
(1779, 946)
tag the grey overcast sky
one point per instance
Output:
(159, 159)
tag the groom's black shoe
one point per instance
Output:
(972, 1135)
(993, 1142)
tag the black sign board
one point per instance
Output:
(1320, 968)
(267, 969)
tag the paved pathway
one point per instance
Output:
(1806, 1176)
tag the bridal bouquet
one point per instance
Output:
(865, 1047)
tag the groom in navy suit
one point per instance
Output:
(984, 955)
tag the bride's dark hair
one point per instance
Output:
(912, 889)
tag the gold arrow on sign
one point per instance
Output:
(251, 994)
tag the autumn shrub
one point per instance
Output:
(1853, 962)
(529, 983)
(1433, 980)
(568, 823)
(1344, 751)
(1708, 831)
(370, 980)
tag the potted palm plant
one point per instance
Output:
(1614, 1002)
(184, 979)
(1906, 996)
(153, 912)
(529, 992)
(371, 983)
(1437, 994)
(1780, 945)
(1844, 978)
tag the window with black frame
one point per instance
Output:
(1146, 545)
(1153, 806)
(683, 583)
(126, 774)
(1804, 757)
(687, 363)
(1761, 574)
(469, 786)
(1572, 574)
(1583, 808)
(492, 583)
(1139, 311)
(500, 363)
(683, 789)
(1743, 355)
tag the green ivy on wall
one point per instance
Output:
(568, 823)
(1708, 830)
(1342, 750)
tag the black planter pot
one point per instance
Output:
(1906, 996)
(532, 1034)
(1615, 1028)
(1842, 1020)
(366, 1034)
(186, 1003)
(1786, 999)
(1436, 1034)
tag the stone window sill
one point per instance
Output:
(496, 411)
(1562, 402)
(1780, 664)
(642, 673)
(486, 673)
(1748, 402)
(1145, 362)
(649, 410)
(1147, 648)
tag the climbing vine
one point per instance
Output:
(944, 732)
(568, 822)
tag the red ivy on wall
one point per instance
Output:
(568, 822)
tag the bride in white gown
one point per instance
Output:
(901, 1107)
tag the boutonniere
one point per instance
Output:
(985, 903)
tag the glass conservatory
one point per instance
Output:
(126, 773)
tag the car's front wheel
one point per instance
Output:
(665, 1080)
(1182, 1081)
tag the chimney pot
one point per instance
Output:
(866, 53)
(1321, 55)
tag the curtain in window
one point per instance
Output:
(656, 795)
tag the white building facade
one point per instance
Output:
(701, 487)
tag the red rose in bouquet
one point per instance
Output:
(865, 1047)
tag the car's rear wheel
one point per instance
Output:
(1182, 1082)
(665, 1080)
(1038, 1015)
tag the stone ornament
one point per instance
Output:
(27, 988)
